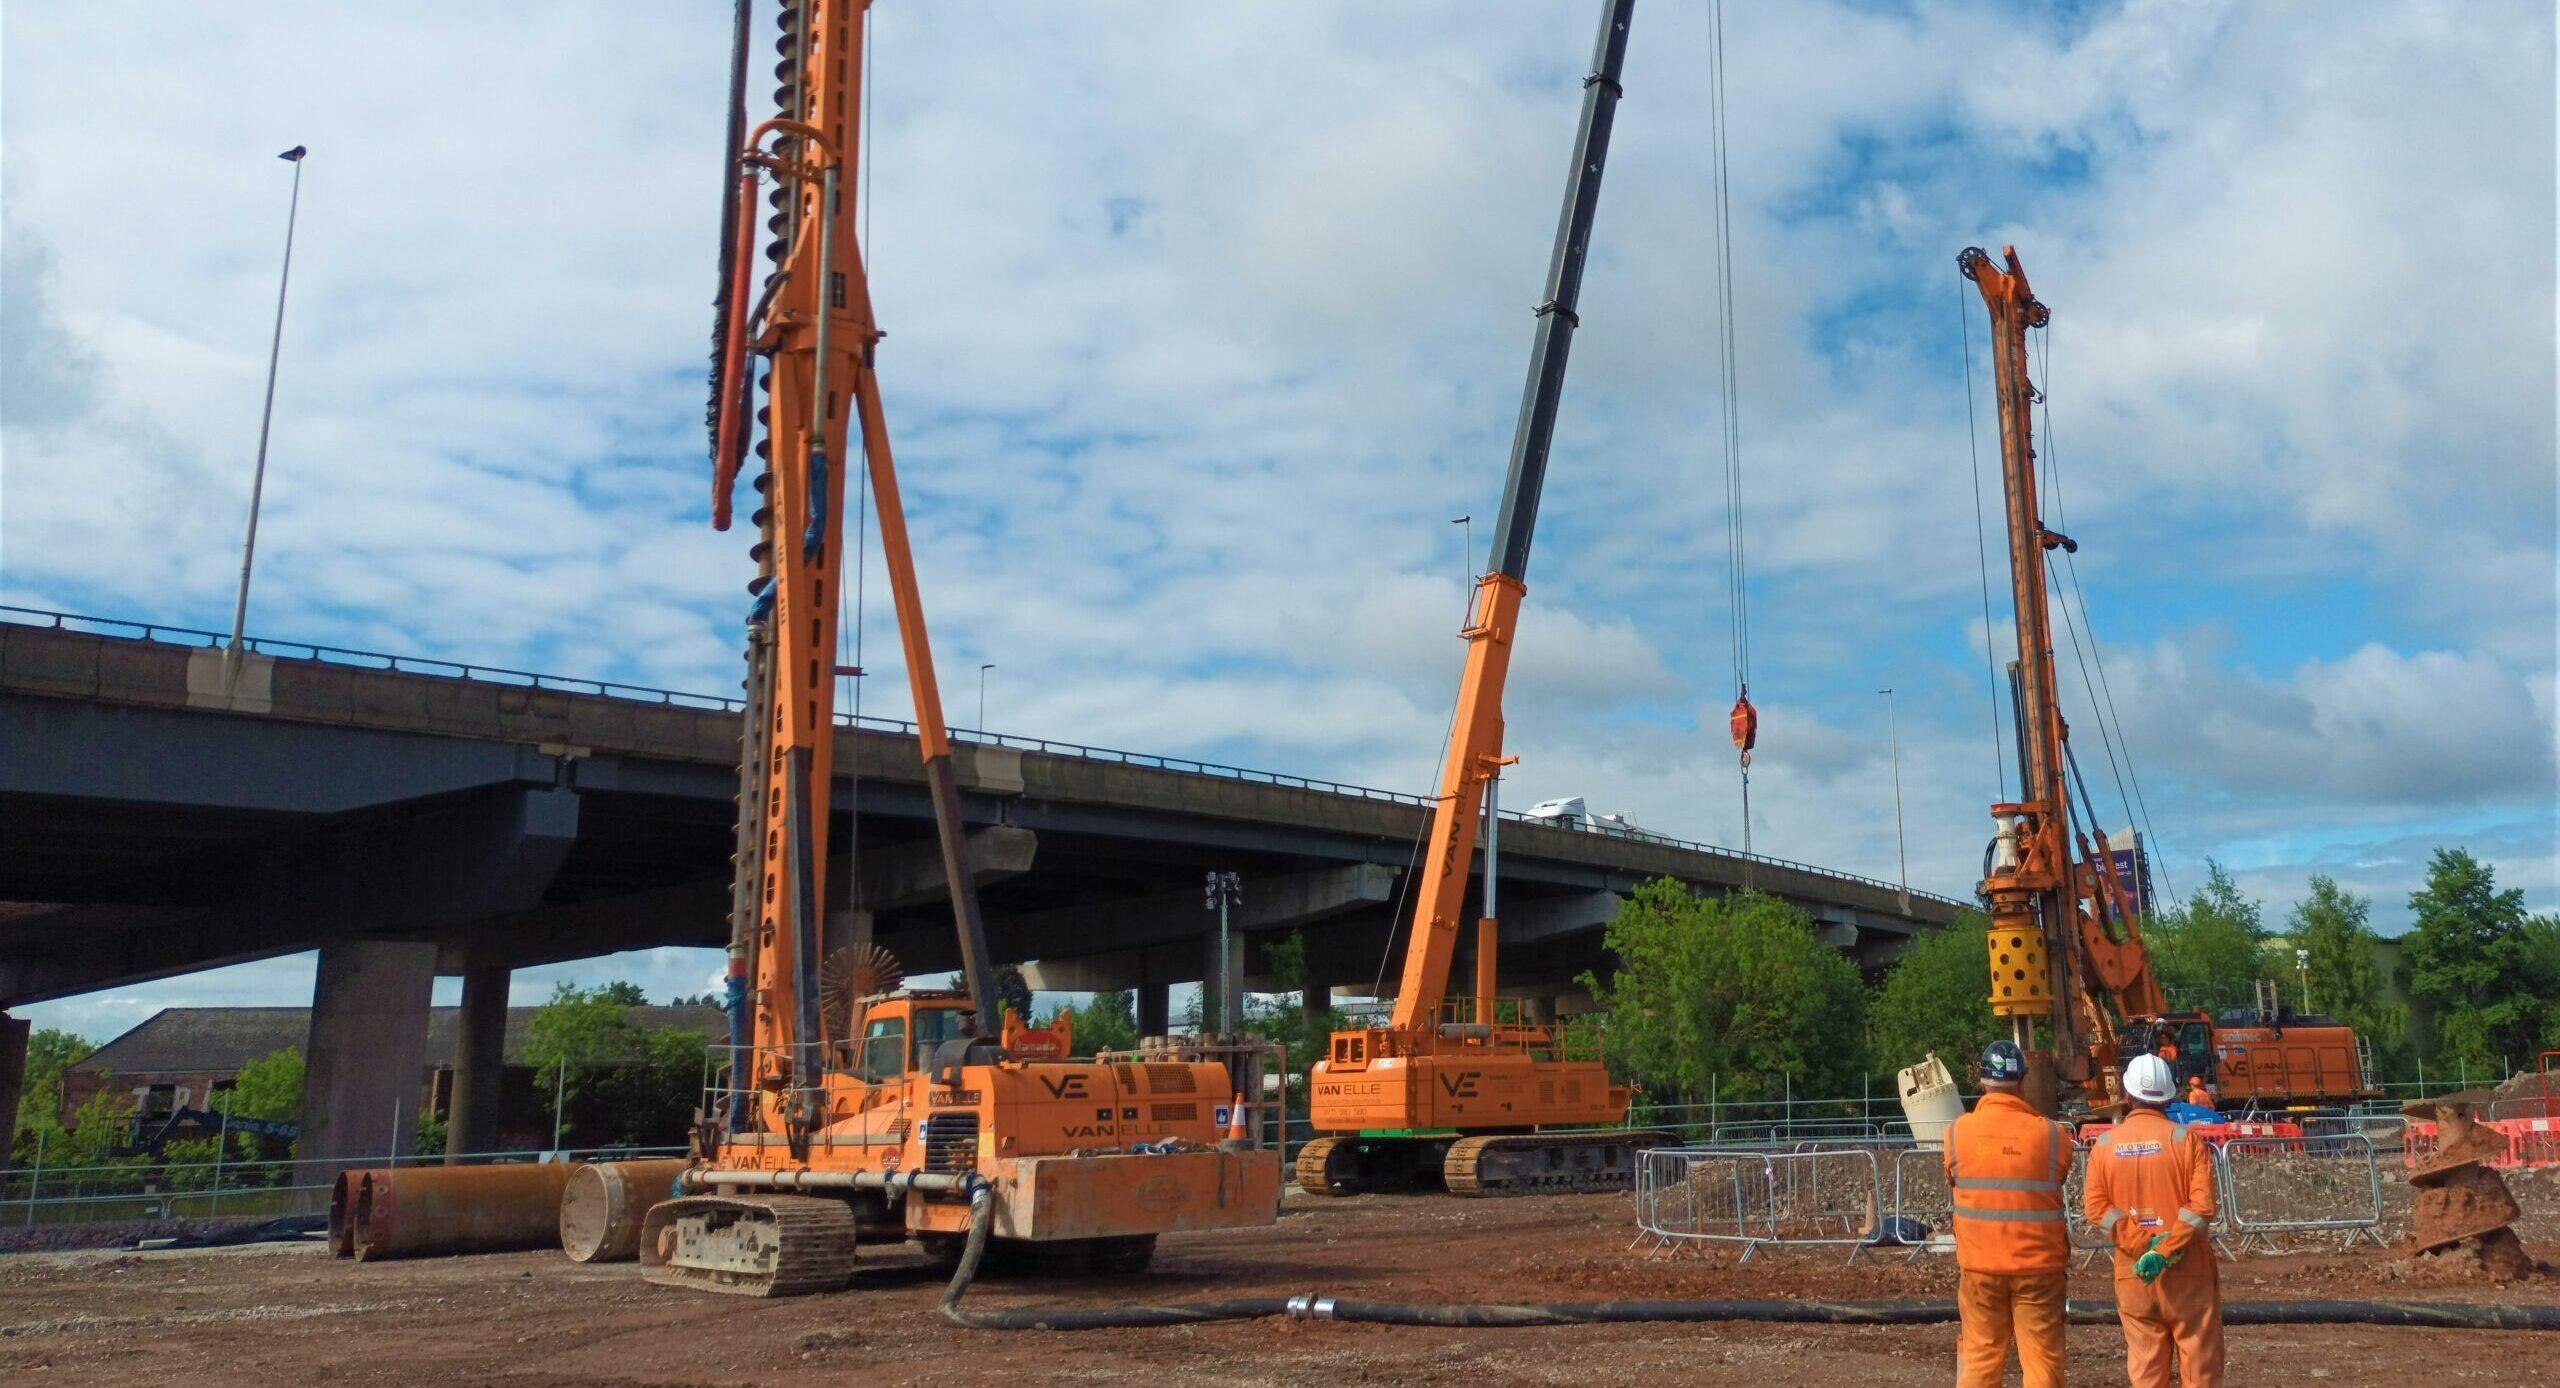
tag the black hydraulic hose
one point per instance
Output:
(2434, 1315)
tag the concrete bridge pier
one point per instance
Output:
(13, 1079)
(366, 1061)
(479, 1055)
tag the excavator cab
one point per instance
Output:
(901, 1032)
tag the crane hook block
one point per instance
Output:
(1746, 727)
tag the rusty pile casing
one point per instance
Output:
(421, 1211)
(2458, 1198)
(602, 1208)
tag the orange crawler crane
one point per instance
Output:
(1454, 1092)
(2065, 941)
(851, 1112)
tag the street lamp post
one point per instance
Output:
(266, 419)
(982, 694)
(1224, 889)
(2302, 966)
(1902, 857)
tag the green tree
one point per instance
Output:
(622, 1082)
(2344, 972)
(1014, 991)
(1735, 987)
(49, 1052)
(1107, 1022)
(1936, 998)
(2206, 953)
(622, 992)
(268, 1087)
(1283, 1017)
(2472, 955)
(2542, 965)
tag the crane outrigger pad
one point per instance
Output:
(749, 1245)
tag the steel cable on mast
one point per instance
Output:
(1745, 720)
(2104, 693)
(1982, 550)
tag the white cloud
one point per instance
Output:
(1205, 320)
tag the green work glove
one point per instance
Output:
(2153, 1262)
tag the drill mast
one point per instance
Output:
(813, 323)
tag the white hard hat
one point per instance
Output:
(2147, 1080)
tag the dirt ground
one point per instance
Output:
(289, 1314)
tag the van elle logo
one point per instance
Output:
(1065, 1086)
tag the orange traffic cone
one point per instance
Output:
(1238, 1130)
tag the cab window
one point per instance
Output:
(932, 1029)
(884, 1048)
(2195, 1051)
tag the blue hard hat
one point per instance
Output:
(2002, 1060)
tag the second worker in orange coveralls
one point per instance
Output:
(2151, 1190)
(2005, 1167)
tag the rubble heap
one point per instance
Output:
(2459, 1199)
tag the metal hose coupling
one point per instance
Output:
(1311, 1308)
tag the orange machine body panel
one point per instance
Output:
(889, 1110)
(1516, 1078)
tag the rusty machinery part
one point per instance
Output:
(346, 1193)
(1309, 1306)
(606, 1202)
(749, 1245)
(424, 1211)
(2459, 1200)
(847, 976)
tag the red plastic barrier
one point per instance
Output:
(2531, 1142)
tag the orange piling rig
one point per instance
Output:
(857, 1113)
(2065, 943)
(1456, 1093)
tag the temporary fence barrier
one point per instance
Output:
(2274, 1186)
(1689, 1197)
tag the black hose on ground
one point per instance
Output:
(2428, 1314)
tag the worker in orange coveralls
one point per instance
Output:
(2005, 1167)
(2151, 1190)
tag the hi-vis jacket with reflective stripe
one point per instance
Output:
(2155, 1173)
(2005, 1166)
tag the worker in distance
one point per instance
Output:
(2006, 1164)
(2151, 1191)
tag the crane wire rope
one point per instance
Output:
(2101, 695)
(851, 673)
(1737, 569)
(1982, 552)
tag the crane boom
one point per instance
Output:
(1477, 1102)
(1475, 739)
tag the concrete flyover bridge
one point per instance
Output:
(408, 818)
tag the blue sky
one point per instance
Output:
(1205, 320)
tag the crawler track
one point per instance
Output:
(749, 1245)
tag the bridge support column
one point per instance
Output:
(1155, 1007)
(479, 1060)
(1316, 1001)
(13, 1079)
(367, 1053)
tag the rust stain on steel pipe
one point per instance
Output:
(419, 1211)
(346, 1193)
(605, 1202)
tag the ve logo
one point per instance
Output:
(1459, 1086)
(1065, 1086)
